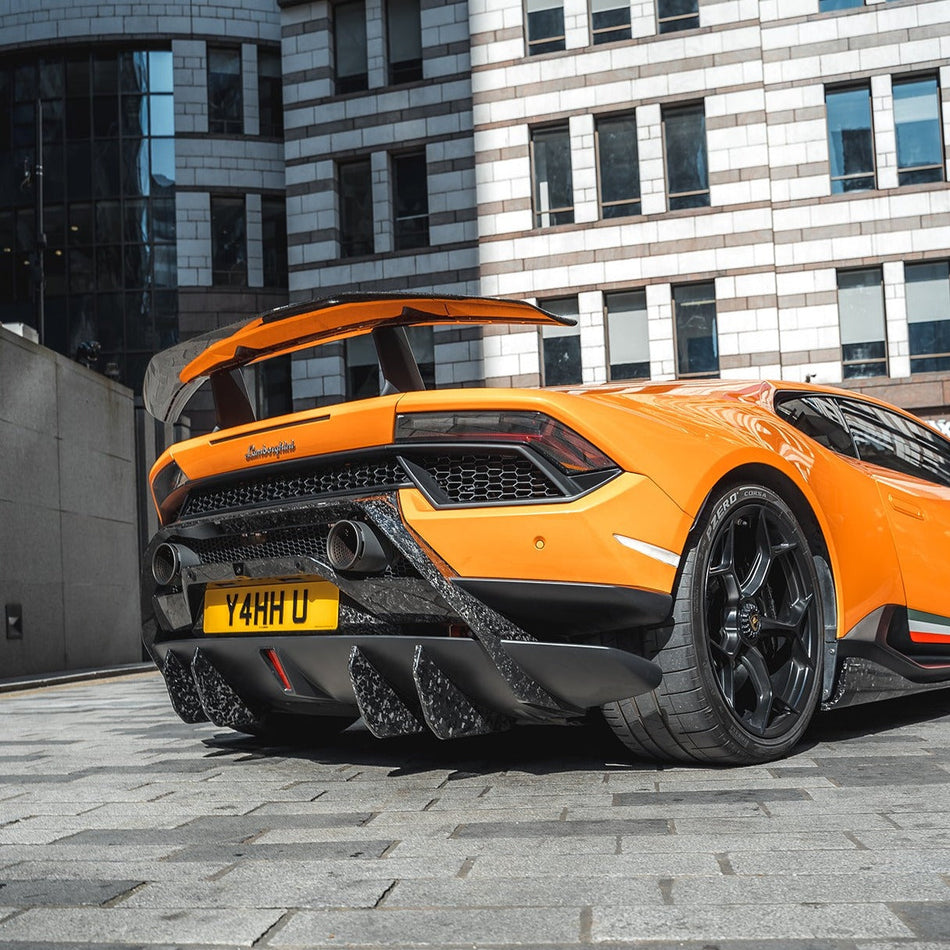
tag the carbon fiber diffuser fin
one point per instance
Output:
(381, 707)
(448, 712)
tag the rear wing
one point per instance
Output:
(175, 374)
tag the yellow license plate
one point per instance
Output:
(271, 607)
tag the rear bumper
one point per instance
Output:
(398, 683)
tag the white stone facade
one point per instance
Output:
(773, 236)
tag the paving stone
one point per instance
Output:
(411, 928)
(33, 893)
(747, 922)
(559, 829)
(309, 851)
(930, 920)
(728, 796)
(181, 927)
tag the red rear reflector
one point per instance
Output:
(278, 667)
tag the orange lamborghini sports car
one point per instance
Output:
(705, 563)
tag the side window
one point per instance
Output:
(819, 418)
(891, 441)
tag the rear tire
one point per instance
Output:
(742, 663)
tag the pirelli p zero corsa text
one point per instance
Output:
(742, 661)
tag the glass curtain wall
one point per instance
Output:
(109, 203)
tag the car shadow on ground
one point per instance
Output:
(543, 750)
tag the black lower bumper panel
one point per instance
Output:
(396, 682)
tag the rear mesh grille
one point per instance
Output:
(474, 478)
(371, 475)
(302, 541)
(463, 479)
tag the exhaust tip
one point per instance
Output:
(354, 546)
(168, 560)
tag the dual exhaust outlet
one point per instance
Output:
(352, 547)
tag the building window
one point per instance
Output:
(610, 20)
(274, 239)
(545, 26)
(697, 344)
(109, 176)
(410, 201)
(675, 15)
(270, 93)
(919, 132)
(560, 346)
(619, 166)
(225, 91)
(687, 170)
(850, 139)
(628, 343)
(825, 6)
(351, 73)
(861, 314)
(553, 182)
(928, 316)
(404, 35)
(355, 187)
(228, 242)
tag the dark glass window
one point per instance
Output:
(225, 91)
(687, 169)
(410, 201)
(109, 171)
(861, 315)
(826, 5)
(697, 343)
(919, 131)
(628, 341)
(228, 241)
(850, 140)
(404, 39)
(545, 26)
(610, 20)
(892, 441)
(270, 93)
(355, 188)
(274, 239)
(561, 346)
(349, 47)
(820, 419)
(619, 166)
(675, 15)
(927, 288)
(553, 181)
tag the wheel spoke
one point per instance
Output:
(763, 559)
(726, 674)
(725, 570)
(788, 628)
(754, 664)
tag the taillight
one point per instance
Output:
(558, 443)
(167, 480)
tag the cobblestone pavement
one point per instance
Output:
(121, 827)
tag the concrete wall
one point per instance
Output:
(68, 546)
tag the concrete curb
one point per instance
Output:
(39, 680)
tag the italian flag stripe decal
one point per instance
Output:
(928, 628)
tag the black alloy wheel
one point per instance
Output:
(761, 621)
(742, 657)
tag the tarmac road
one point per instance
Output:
(122, 827)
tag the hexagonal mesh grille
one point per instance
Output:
(475, 478)
(379, 474)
